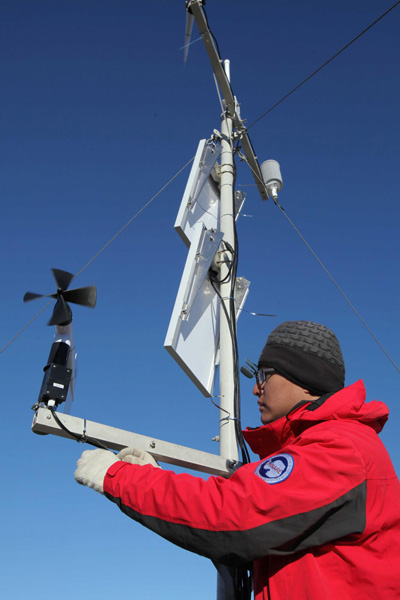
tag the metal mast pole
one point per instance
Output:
(227, 435)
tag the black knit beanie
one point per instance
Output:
(307, 354)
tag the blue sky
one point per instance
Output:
(97, 114)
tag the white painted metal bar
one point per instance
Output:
(117, 439)
(228, 445)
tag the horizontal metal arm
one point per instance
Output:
(117, 439)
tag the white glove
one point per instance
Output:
(92, 467)
(137, 457)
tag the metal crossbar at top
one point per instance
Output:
(195, 7)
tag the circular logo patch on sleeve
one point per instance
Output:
(275, 468)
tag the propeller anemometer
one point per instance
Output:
(62, 315)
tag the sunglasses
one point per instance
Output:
(261, 375)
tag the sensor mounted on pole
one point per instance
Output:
(272, 178)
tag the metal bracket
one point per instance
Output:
(117, 439)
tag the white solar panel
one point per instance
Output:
(200, 201)
(192, 336)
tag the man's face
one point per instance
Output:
(277, 396)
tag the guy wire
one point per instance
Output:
(26, 326)
(323, 65)
(134, 216)
(336, 284)
(102, 249)
(327, 272)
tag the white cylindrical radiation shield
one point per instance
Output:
(271, 174)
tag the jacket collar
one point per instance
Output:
(267, 439)
(347, 404)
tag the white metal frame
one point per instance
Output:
(117, 439)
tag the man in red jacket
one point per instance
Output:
(318, 515)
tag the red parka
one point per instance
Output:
(318, 515)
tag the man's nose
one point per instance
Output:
(257, 390)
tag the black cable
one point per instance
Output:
(231, 320)
(242, 575)
(217, 47)
(323, 65)
(78, 437)
(239, 434)
(213, 36)
(232, 334)
(244, 450)
(231, 250)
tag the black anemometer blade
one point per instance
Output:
(32, 296)
(63, 278)
(85, 296)
(61, 314)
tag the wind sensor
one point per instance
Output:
(60, 369)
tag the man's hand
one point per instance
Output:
(137, 457)
(92, 467)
